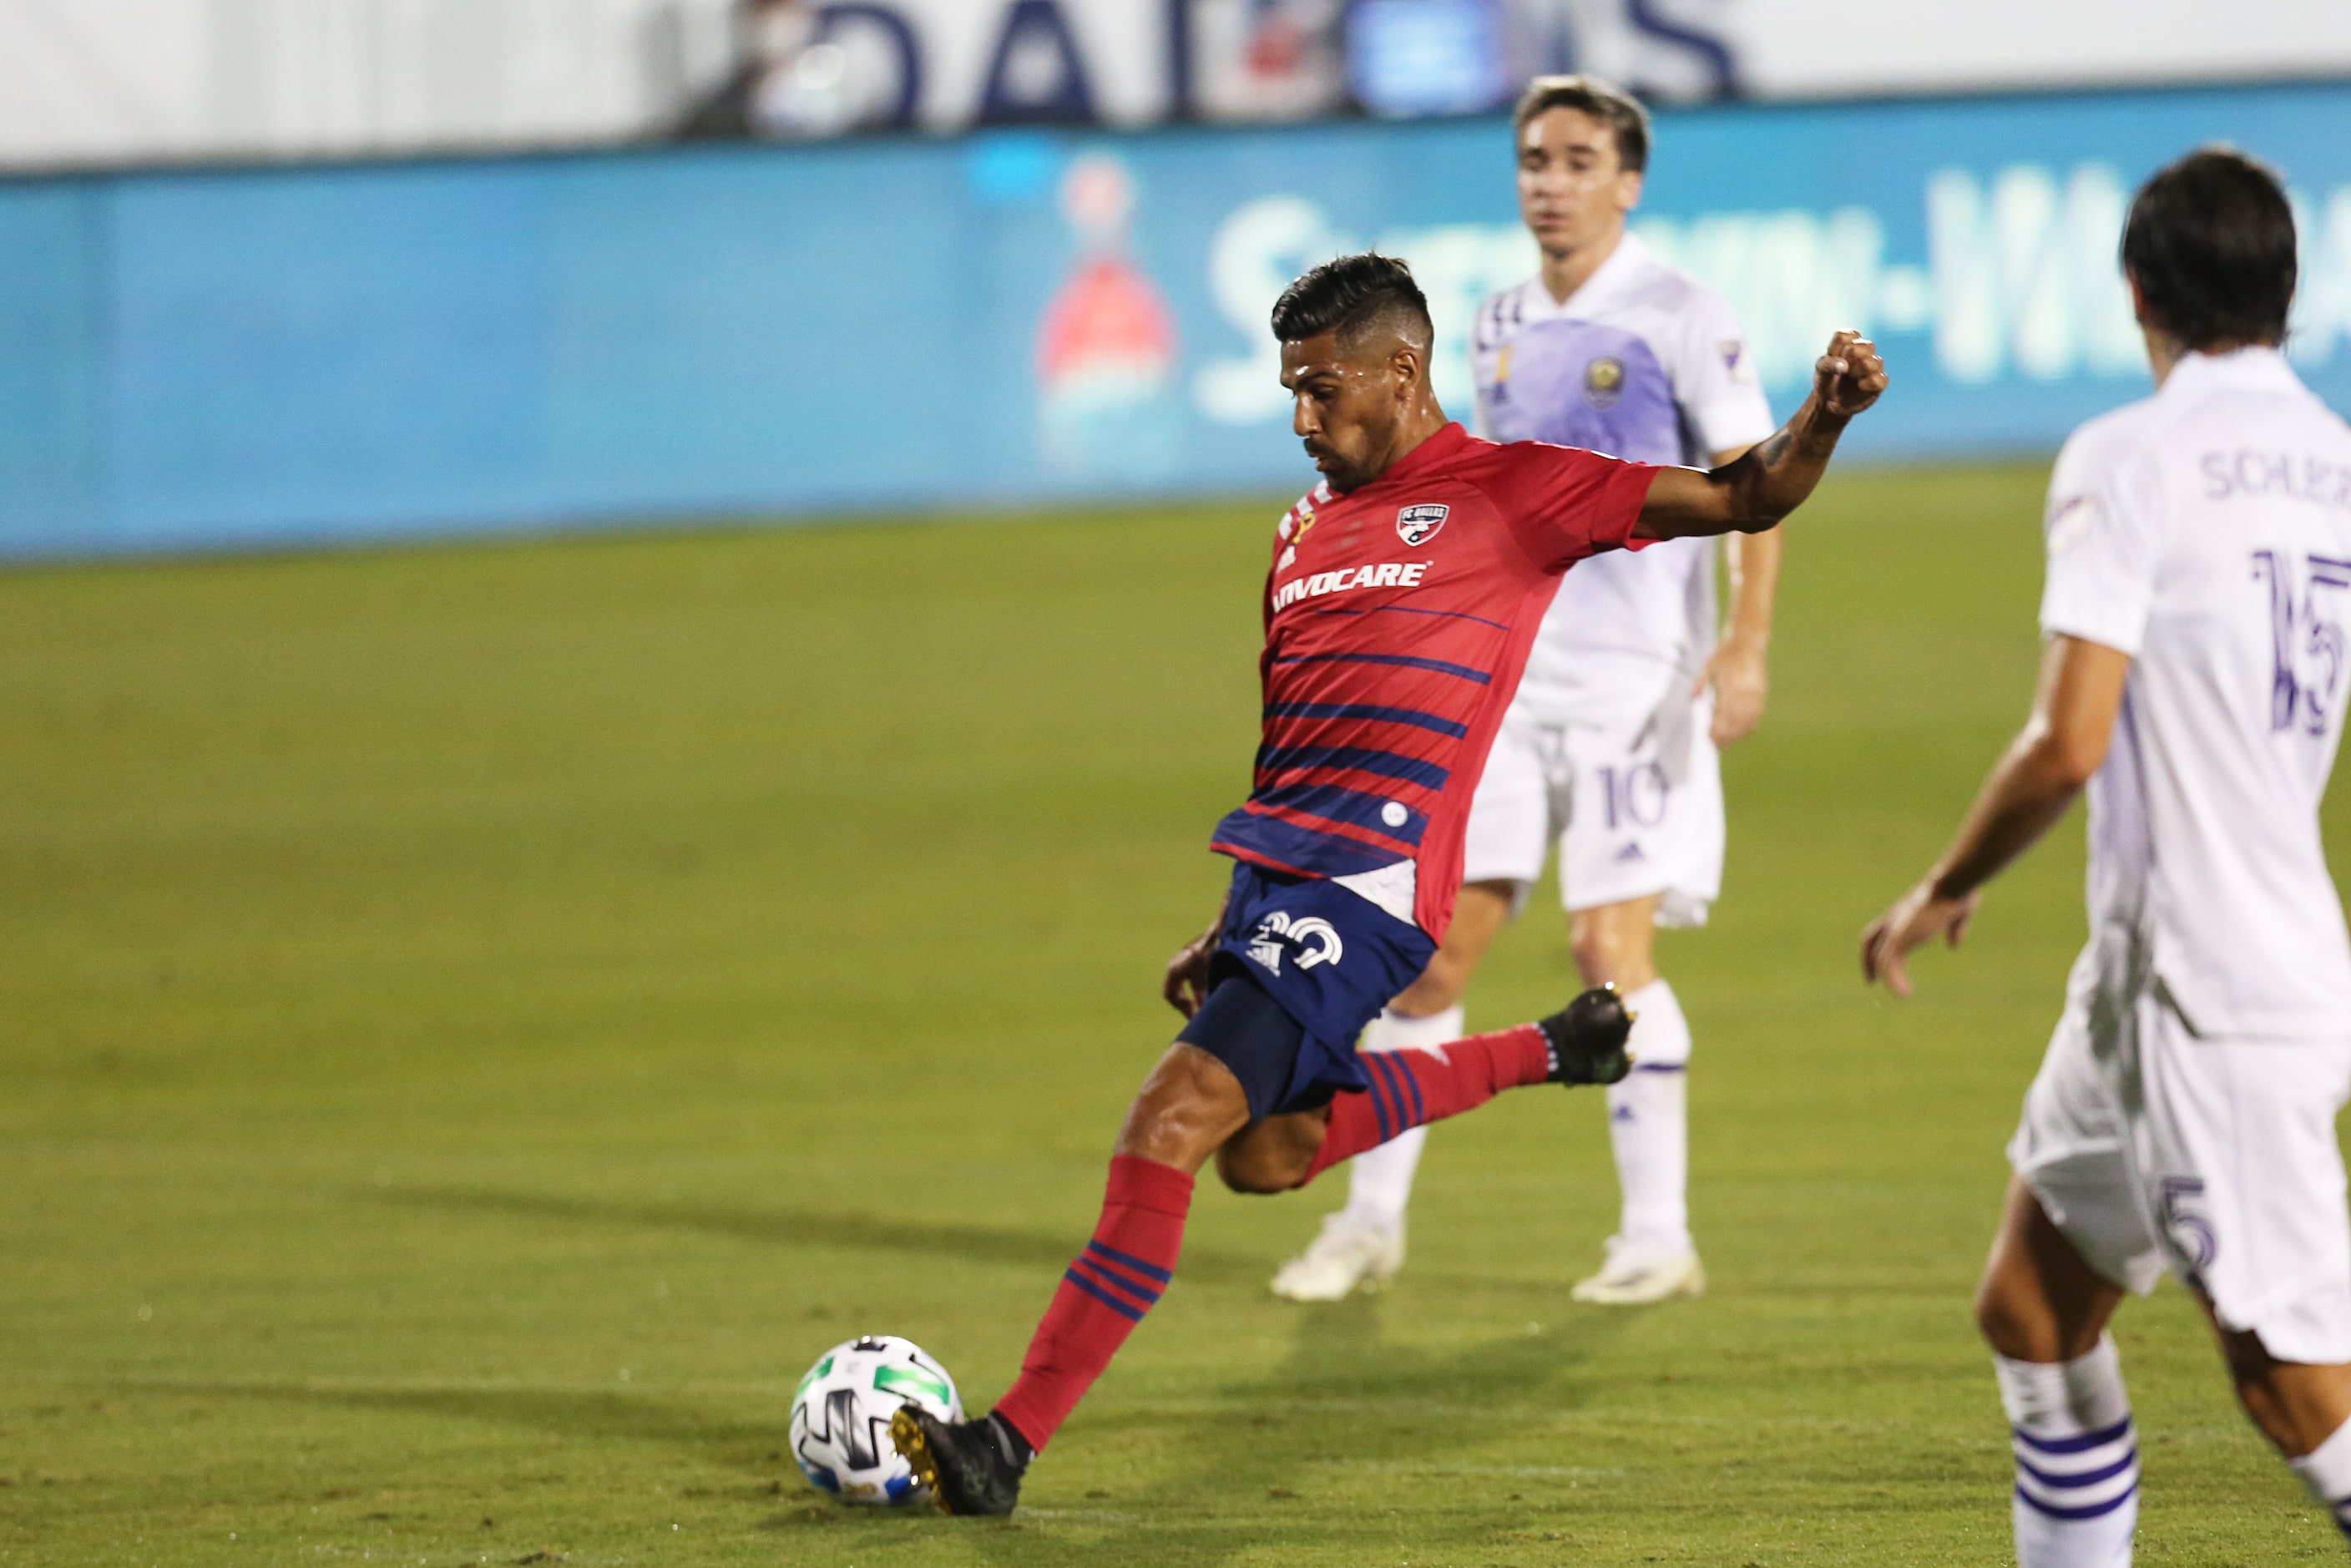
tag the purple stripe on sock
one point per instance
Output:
(2091, 1511)
(2072, 1444)
(2086, 1478)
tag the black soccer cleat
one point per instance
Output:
(971, 1467)
(1587, 1038)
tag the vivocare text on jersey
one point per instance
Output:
(1388, 574)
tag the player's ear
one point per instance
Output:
(1410, 366)
(1629, 189)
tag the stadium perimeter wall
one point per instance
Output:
(242, 358)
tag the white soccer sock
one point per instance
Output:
(2076, 1501)
(1379, 1181)
(1648, 1121)
(2326, 1472)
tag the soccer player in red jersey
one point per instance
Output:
(1405, 592)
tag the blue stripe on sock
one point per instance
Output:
(2091, 1511)
(1385, 1071)
(1144, 1295)
(1132, 1314)
(1412, 1086)
(2086, 1478)
(1660, 1067)
(2072, 1444)
(1379, 1096)
(1148, 1270)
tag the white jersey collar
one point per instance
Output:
(2258, 366)
(1609, 278)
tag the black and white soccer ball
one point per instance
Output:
(840, 1416)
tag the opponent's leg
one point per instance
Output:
(1363, 1245)
(2044, 1311)
(1651, 1255)
(2304, 1409)
(1189, 1105)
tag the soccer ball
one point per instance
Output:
(840, 1416)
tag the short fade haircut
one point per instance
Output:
(1604, 102)
(2210, 242)
(1353, 295)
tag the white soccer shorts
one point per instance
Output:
(1630, 786)
(2153, 1148)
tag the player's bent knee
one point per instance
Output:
(1251, 1172)
(1271, 1155)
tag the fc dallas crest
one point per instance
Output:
(1417, 524)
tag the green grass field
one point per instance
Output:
(476, 1023)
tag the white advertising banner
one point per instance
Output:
(97, 81)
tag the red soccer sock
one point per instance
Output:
(1412, 1088)
(1105, 1295)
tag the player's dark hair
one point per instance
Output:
(1604, 101)
(2210, 242)
(1351, 295)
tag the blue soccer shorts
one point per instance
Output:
(1328, 959)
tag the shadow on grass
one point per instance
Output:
(751, 1445)
(1047, 1250)
(1254, 1459)
(1345, 1394)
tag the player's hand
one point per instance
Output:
(1918, 917)
(1186, 986)
(1737, 672)
(1850, 376)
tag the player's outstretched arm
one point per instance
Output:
(2046, 764)
(1772, 479)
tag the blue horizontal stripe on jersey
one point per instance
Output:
(1360, 759)
(1293, 847)
(1338, 804)
(1403, 660)
(1416, 610)
(1446, 614)
(1413, 717)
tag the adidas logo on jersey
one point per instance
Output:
(1388, 574)
(1310, 940)
(1629, 854)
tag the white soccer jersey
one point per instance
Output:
(2206, 532)
(1644, 362)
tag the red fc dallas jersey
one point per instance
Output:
(1397, 619)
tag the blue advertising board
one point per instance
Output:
(193, 360)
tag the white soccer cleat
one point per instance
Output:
(1347, 1257)
(1635, 1273)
